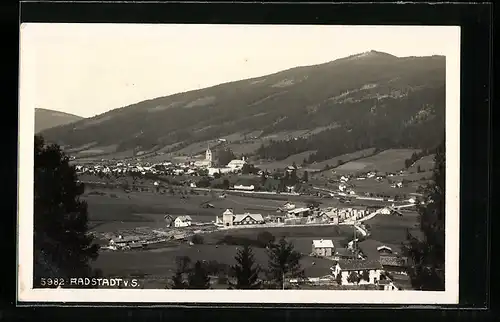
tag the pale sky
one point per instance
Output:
(88, 69)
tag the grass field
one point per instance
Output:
(275, 165)
(392, 229)
(426, 164)
(344, 158)
(391, 160)
(110, 209)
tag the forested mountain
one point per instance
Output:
(371, 99)
(46, 119)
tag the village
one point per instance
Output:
(362, 262)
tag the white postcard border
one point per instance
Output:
(26, 293)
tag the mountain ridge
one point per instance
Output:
(46, 119)
(346, 92)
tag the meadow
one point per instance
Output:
(391, 160)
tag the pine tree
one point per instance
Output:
(62, 244)
(198, 277)
(246, 271)
(284, 261)
(427, 255)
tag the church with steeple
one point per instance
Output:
(207, 162)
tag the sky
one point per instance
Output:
(88, 69)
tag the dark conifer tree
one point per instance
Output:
(198, 277)
(284, 261)
(62, 245)
(246, 271)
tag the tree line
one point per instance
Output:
(283, 263)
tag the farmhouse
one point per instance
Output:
(354, 272)
(323, 247)
(230, 219)
(182, 221)
(248, 219)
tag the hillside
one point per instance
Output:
(367, 100)
(46, 119)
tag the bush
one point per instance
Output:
(265, 238)
(197, 239)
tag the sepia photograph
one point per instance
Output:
(189, 163)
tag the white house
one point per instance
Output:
(236, 164)
(323, 247)
(213, 171)
(182, 221)
(299, 212)
(227, 217)
(288, 206)
(355, 272)
(245, 188)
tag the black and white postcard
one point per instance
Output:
(178, 163)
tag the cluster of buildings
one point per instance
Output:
(229, 219)
(289, 214)
(373, 263)
(165, 168)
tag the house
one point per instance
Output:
(393, 264)
(384, 250)
(182, 221)
(355, 272)
(323, 247)
(299, 212)
(213, 171)
(245, 188)
(236, 164)
(248, 219)
(373, 249)
(288, 206)
(227, 217)
(123, 241)
(230, 219)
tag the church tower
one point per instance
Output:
(208, 155)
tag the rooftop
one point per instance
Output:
(184, 218)
(323, 243)
(256, 217)
(354, 265)
(391, 260)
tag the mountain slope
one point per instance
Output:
(367, 100)
(45, 119)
